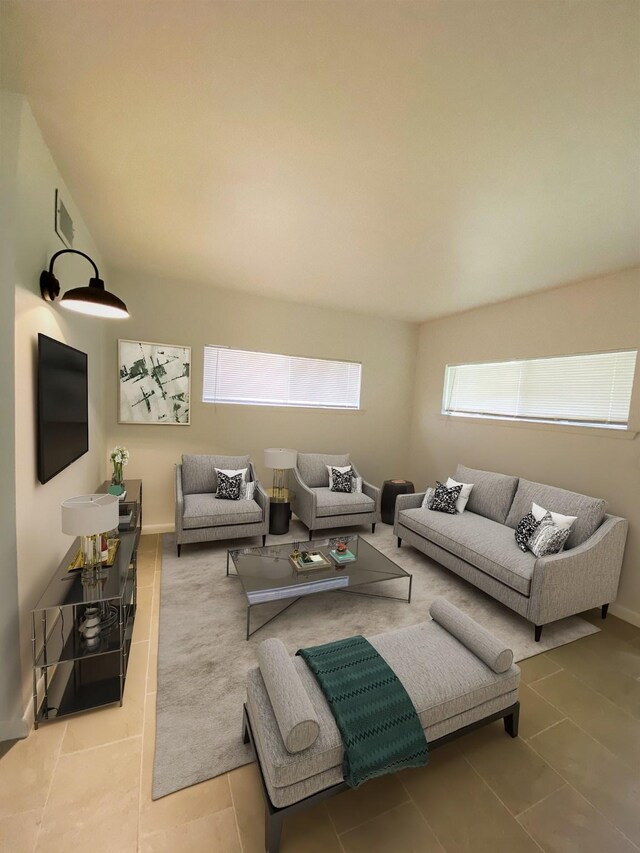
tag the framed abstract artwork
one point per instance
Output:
(154, 383)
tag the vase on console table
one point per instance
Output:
(119, 457)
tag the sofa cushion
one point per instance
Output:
(442, 677)
(487, 545)
(199, 471)
(589, 511)
(313, 467)
(492, 494)
(210, 511)
(341, 503)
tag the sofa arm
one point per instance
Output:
(586, 576)
(263, 500)
(477, 639)
(304, 500)
(179, 500)
(413, 501)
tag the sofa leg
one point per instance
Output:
(272, 832)
(511, 721)
(245, 731)
(310, 535)
(373, 527)
(399, 542)
(605, 610)
(264, 539)
(179, 549)
(538, 633)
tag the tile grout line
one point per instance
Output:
(235, 813)
(335, 831)
(545, 729)
(411, 799)
(543, 677)
(565, 784)
(379, 814)
(501, 801)
(586, 799)
(46, 801)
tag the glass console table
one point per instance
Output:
(78, 674)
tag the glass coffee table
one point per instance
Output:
(268, 576)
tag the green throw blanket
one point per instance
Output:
(380, 728)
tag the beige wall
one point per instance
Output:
(40, 542)
(602, 314)
(173, 312)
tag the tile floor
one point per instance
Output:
(570, 783)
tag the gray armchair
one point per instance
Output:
(318, 507)
(201, 517)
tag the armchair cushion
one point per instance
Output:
(199, 471)
(341, 503)
(209, 511)
(313, 467)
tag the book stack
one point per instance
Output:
(342, 557)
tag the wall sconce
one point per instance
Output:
(93, 299)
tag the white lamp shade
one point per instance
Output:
(87, 515)
(280, 457)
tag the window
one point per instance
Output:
(584, 390)
(268, 379)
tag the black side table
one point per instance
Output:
(390, 491)
(279, 510)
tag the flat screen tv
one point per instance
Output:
(63, 406)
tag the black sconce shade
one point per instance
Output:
(93, 299)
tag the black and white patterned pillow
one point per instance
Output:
(444, 499)
(341, 481)
(229, 488)
(527, 526)
(548, 538)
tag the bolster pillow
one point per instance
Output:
(292, 708)
(476, 638)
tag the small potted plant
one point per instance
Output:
(119, 458)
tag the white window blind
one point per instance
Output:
(585, 390)
(269, 379)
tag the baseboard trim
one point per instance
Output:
(150, 529)
(625, 614)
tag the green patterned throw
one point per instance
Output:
(380, 728)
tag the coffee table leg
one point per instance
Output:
(410, 585)
(248, 621)
(227, 563)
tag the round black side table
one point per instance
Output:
(390, 491)
(279, 510)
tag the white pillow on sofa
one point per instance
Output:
(564, 522)
(463, 497)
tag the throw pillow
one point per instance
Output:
(444, 499)
(548, 538)
(356, 485)
(247, 491)
(563, 521)
(464, 494)
(229, 488)
(341, 480)
(527, 526)
(342, 469)
(428, 497)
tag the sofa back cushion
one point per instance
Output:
(492, 494)
(199, 471)
(313, 467)
(589, 511)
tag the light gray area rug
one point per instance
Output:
(203, 656)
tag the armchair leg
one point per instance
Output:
(373, 527)
(310, 535)
(272, 831)
(264, 539)
(538, 633)
(605, 610)
(399, 542)
(179, 547)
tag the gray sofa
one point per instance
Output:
(201, 517)
(458, 677)
(479, 545)
(318, 507)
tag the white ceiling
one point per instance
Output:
(405, 159)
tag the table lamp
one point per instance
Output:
(88, 516)
(280, 459)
